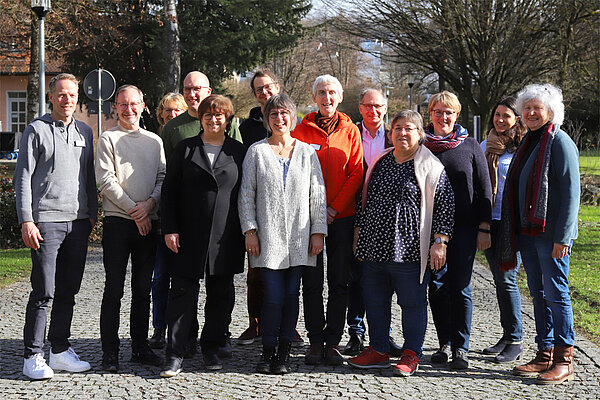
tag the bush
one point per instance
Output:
(10, 230)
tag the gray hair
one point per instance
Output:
(60, 77)
(280, 101)
(328, 79)
(365, 91)
(550, 95)
(125, 87)
(411, 116)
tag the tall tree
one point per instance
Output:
(173, 53)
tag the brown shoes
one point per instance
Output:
(562, 367)
(541, 363)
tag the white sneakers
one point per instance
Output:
(35, 366)
(68, 361)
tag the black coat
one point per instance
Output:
(199, 202)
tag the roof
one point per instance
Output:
(19, 65)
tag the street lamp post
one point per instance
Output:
(41, 8)
(410, 78)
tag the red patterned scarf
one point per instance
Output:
(437, 144)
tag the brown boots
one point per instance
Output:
(562, 367)
(551, 366)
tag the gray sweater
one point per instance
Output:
(284, 216)
(54, 179)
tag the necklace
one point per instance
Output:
(282, 149)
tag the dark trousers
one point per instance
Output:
(356, 304)
(256, 291)
(450, 290)
(181, 312)
(121, 239)
(329, 329)
(160, 286)
(56, 273)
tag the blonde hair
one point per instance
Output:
(447, 99)
(168, 99)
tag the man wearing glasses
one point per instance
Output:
(196, 88)
(130, 168)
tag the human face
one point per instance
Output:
(504, 119)
(536, 114)
(280, 121)
(264, 88)
(405, 137)
(327, 98)
(129, 108)
(214, 123)
(64, 100)
(195, 89)
(170, 111)
(443, 119)
(373, 108)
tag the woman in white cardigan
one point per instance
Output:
(282, 210)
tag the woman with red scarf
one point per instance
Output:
(539, 219)
(466, 167)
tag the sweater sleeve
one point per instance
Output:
(106, 177)
(247, 194)
(565, 168)
(347, 194)
(482, 185)
(26, 163)
(318, 200)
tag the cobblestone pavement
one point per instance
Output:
(237, 380)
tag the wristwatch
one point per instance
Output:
(440, 240)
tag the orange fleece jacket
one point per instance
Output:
(341, 157)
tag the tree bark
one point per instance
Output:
(33, 82)
(173, 56)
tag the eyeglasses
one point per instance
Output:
(209, 116)
(406, 129)
(125, 106)
(195, 89)
(439, 113)
(173, 109)
(376, 106)
(275, 114)
(267, 87)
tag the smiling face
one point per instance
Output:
(64, 100)
(443, 118)
(195, 89)
(280, 121)
(536, 114)
(373, 108)
(129, 108)
(214, 123)
(327, 98)
(504, 119)
(170, 111)
(405, 137)
(264, 88)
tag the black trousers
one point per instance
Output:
(181, 312)
(121, 239)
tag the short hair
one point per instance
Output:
(328, 79)
(60, 77)
(280, 101)
(447, 99)
(169, 98)
(263, 72)
(126, 87)
(215, 103)
(410, 116)
(550, 95)
(367, 90)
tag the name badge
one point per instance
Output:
(315, 146)
(79, 143)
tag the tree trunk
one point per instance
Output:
(33, 82)
(173, 57)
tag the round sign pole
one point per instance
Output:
(99, 101)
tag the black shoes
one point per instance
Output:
(212, 362)
(442, 355)
(510, 353)
(355, 345)
(110, 361)
(460, 360)
(157, 341)
(395, 350)
(266, 359)
(280, 364)
(495, 349)
(173, 368)
(225, 351)
(146, 356)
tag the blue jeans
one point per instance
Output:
(450, 290)
(356, 305)
(160, 286)
(548, 281)
(280, 304)
(379, 281)
(507, 291)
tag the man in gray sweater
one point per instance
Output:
(130, 168)
(57, 207)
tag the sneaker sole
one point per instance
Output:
(244, 342)
(169, 374)
(39, 378)
(213, 367)
(75, 370)
(368, 366)
(399, 372)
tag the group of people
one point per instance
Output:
(398, 211)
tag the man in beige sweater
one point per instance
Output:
(130, 168)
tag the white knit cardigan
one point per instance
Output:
(284, 216)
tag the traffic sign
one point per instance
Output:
(99, 84)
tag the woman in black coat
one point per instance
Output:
(202, 229)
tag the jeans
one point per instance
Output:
(507, 291)
(450, 290)
(356, 305)
(280, 304)
(548, 281)
(160, 286)
(121, 239)
(379, 281)
(56, 273)
(339, 258)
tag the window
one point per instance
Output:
(16, 111)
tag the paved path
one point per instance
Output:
(237, 380)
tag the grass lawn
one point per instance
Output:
(589, 162)
(14, 265)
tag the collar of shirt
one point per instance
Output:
(366, 135)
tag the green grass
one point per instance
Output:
(15, 264)
(589, 162)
